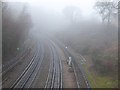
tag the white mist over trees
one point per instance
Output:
(85, 34)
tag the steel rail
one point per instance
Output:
(59, 66)
(10, 64)
(80, 69)
(81, 80)
(47, 85)
(25, 71)
(54, 79)
(33, 77)
(30, 75)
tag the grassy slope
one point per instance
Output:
(97, 81)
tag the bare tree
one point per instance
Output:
(106, 9)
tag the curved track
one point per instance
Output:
(80, 75)
(54, 75)
(23, 53)
(54, 79)
(24, 80)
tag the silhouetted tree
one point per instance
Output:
(106, 8)
(15, 30)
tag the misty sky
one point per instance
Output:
(86, 6)
(53, 10)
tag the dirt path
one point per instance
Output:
(69, 80)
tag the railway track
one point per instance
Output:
(19, 58)
(36, 70)
(13, 62)
(24, 52)
(79, 73)
(30, 72)
(81, 79)
(54, 79)
(54, 76)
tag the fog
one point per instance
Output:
(49, 16)
(79, 26)
(88, 27)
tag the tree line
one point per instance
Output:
(15, 29)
